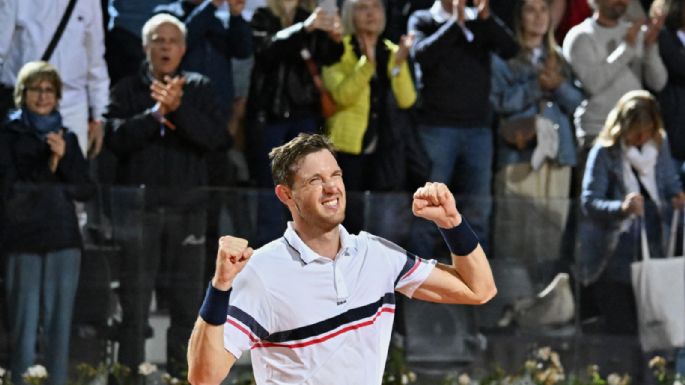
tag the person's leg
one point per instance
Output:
(442, 146)
(60, 281)
(140, 262)
(474, 179)
(185, 252)
(22, 287)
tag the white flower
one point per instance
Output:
(2, 372)
(464, 379)
(412, 377)
(146, 368)
(174, 381)
(36, 371)
(544, 353)
(405, 379)
(613, 379)
(677, 382)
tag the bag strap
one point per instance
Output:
(670, 253)
(60, 30)
(644, 242)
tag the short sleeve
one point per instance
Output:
(409, 270)
(249, 313)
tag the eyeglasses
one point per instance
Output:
(42, 90)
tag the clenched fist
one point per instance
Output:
(231, 258)
(435, 202)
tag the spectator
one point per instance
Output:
(210, 45)
(283, 99)
(126, 19)
(452, 48)
(171, 115)
(629, 175)
(26, 28)
(610, 57)
(42, 171)
(369, 84)
(535, 82)
(672, 96)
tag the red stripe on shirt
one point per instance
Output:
(326, 337)
(412, 270)
(249, 335)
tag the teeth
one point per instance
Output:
(331, 203)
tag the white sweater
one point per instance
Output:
(608, 67)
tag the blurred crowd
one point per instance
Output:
(509, 102)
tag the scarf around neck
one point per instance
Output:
(41, 125)
(643, 161)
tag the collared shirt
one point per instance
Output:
(441, 16)
(309, 319)
(26, 28)
(681, 36)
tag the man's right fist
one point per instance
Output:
(231, 258)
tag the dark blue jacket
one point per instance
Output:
(37, 206)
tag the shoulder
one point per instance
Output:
(196, 80)
(375, 243)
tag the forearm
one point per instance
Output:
(208, 361)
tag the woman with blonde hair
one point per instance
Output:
(370, 81)
(536, 86)
(42, 172)
(629, 182)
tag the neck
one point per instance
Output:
(605, 21)
(532, 41)
(325, 243)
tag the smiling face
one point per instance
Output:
(41, 97)
(317, 197)
(165, 49)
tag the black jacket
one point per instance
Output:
(455, 74)
(672, 97)
(281, 87)
(169, 163)
(37, 206)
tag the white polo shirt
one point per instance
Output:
(308, 319)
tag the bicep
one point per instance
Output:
(444, 285)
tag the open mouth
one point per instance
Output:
(331, 203)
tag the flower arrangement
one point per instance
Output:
(543, 367)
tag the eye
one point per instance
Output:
(315, 181)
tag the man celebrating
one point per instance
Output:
(319, 301)
(161, 124)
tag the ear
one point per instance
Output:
(283, 193)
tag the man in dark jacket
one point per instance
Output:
(452, 49)
(161, 124)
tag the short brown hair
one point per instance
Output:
(33, 72)
(286, 158)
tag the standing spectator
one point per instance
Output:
(210, 45)
(26, 28)
(452, 48)
(610, 57)
(535, 82)
(672, 96)
(42, 171)
(161, 123)
(283, 99)
(629, 175)
(369, 84)
(126, 19)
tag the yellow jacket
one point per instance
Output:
(348, 82)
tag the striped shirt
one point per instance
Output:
(308, 319)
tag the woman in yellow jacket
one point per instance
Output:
(371, 79)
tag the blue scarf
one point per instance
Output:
(42, 125)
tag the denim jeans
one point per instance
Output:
(49, 279)
(271, 214)
(466, 154)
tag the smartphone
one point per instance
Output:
(330, 6)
